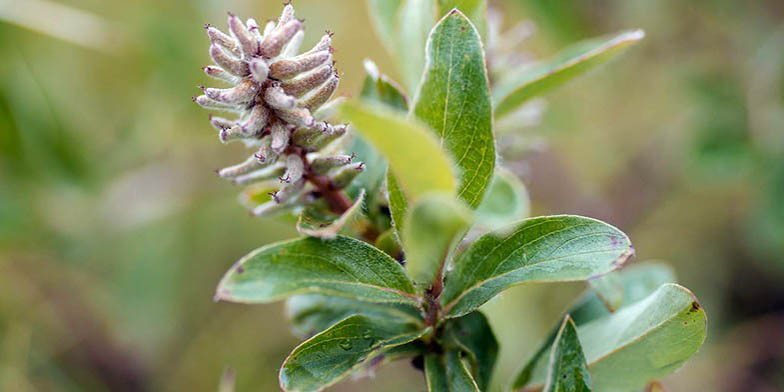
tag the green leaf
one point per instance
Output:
(397, 202)
(389, 243)
(454, 100)
(328, 357)
(476, 10)
(567, 371)
(343, 266)
(379, 88)
(640, 343)
(313, 313)
(545, 249)
(448, 373)
(432, 227)
(315, 223)
(472, 335)
(416, 18)
(506, 201)
(638, 282)
(515, 90)
(609, 289)
(412, 151)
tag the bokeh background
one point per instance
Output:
(114, 231)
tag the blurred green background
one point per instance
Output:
(114, 230)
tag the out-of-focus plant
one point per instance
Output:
(384, 270)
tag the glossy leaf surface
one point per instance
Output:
(544, 249)
(343, 266)
(454, 100)
(567, 371)
(326, 358)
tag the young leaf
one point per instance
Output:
(573, 61)
(432, 226)
(413, 153)
(454, 100)
(638, 282)
(314, 223)
(545, 249)
(567, 370)
(476, 10)
(343, 266)
(472, 335)
(448, 373)
(381, 89)
(506, 201)
(639, 343)
(313, 313)
(328, 357)
(378, 89)
(416, 18)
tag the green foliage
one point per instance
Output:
(567, 369)
(572, 62)
(432, 226)
(640, 343)
(454, 99)
(331, 355)
(413, 153)
(343, 266)
(545, 249)
(506, 201)
(447, 372)
(416, 292)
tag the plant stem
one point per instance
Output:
(338, 202)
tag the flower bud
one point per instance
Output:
(254, 29)
(268, 173)
(209, 103)
(219, 73)
(344, 177)
(289, 191)
(280, 137)
(233, 65)
(299, 117)
(266, 154)
(246, 39)
(324, 44)
(287, 15)
(323, 165)
(248, 165)
(288, 68)
(241, 94)
(300, 85)
(322, 94)
(268, 28)
(305, 136)
(274, 42)
(278, 99)
(295, 169)
(223, 40)
(259, 69)
(220, 123)
(333, 133)
(255, 122)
